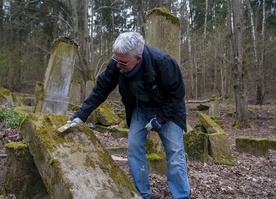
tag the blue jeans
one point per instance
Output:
(171, 136)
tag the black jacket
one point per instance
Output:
(162, 79)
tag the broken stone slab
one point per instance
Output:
(219, 149)
(254, 146)
(22, 177)
(196, 145)
(117, 150)
(105, 115)
(73, 164)
(5, 95)
(210, 125)
(219, 146)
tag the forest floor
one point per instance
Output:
(250, 177)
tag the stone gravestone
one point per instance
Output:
(74, 96)
(162, 31)
(58, 78)
(74, 164)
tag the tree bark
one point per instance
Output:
(239, 70)
(260, 76)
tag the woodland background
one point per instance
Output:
(225, 44)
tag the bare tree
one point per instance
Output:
(260, 70)
(1, 22)
(239, 69)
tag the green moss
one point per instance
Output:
(210, 125)
(154, 157)
(5, 91)
(105, 115)
(196, 145)
(150, 146)
(272, 144)
(2, 192)
(254, 146)
(213, 98)
(45, 126)
(114, 171)
(219, 149)
(19, 148)
(64, 39)
(165, 13)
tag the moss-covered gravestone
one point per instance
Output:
(105, 115)
(73, 164)
(219, 146)
(162, 30)
(196, 145)
(55, 93)
(5, 95)
(255, 146)
(22, 177)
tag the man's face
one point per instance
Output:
(125, 61)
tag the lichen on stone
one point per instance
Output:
(161, 11)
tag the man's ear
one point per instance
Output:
(139, 58)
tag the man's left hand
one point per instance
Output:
(153, 125)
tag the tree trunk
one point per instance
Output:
(205, 19)
(85, 48)
(74, 18)
(190, 52)
(239, 70)
(1, 24)
(260, 76)
(140, 17)
(91, 3)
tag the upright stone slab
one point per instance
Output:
(196, 145)
(74, 96)
(214, 108)
(88, 87)
(58, 77)
(163, 31)
(74, 164)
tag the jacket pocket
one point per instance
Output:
(156, 94)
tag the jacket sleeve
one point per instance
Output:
(105, 84)
(172, 84)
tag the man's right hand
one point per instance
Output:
(74, 122)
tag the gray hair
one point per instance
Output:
(131, 43)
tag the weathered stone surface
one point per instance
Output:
(22, 177)
(105, 115)
(74, 94)
(5, 95)
(253, 146)
(55, 98)
(196, 145)
(214, 110)
(219, 147)
(210, 125)
(272, 144)
(162, 30)
(73, 164)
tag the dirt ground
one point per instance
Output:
(250, 177)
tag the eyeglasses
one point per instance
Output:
(123, 64)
